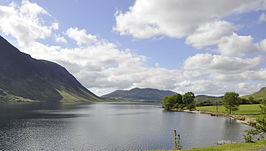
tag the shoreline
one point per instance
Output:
(243, 119)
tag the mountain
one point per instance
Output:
(261, 94)
(146, 94)
(204, 98)
(23, 78)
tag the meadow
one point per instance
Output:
(252, 110)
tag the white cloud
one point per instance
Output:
(258, 75)
(81, 36)
(104, 66)
(24, 22)
(223, 64)
(177, 18)
(236, 45)
(95, 62)
(262, 18)
(202, 87)
(210, 34)
(101, 66)
(261, 46)
(228, 71)
(60, 39)
(218, 88)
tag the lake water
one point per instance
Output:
(108, 127)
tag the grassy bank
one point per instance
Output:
(231, 147)
(251, 110)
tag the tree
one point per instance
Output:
(188, 99)
(244, 101)
(263, 107)
(169, 101)
(179, 98)
(172, 100)
(259, 129)
(231, 101)
(179, 105)
(251, 99)
(165, 103)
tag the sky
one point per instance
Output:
(204, 46)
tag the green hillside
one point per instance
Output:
(202, 98)
(146, 94)
(261, 94)
(25, 79)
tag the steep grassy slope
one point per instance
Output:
(22, 76)
(261, 94)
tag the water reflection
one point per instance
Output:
(108, 126)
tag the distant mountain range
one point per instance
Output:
(146, 94)
(261, 94)
(23, 78)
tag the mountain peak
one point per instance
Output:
(147, 94)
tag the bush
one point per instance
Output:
(248, 139)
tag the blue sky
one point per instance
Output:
(164, 44)
(97, 17)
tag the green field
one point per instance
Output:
(231, 147)
(249, 110)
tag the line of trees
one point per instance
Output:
(230, 101)
(179, 101)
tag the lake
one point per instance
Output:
(108, 127)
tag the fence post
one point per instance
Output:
(177, 140)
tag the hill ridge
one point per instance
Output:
(146, 94)
(24, 77)
(261, 94)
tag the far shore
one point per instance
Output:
(238, 118)
(244, 119)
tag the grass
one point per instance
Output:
(261, 94)
(70, 98)
(251, 110)
(231, 147)
(12, 99)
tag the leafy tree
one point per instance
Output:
(179, 106)
(179, 98)
(188, 99)
(172, 100)
(231, 101)
(165, 103)
(251, 99)
(244, 101)
(248, 137)
(169, 101)
(191, 107)
(259, 127)
(263, 107)
(178, 101)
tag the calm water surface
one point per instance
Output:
(108, 127)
